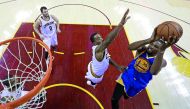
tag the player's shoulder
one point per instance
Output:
(38, 20)
(52, 16)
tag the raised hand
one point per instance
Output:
(124, 18)
(171, 40)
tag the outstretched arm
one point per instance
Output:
(159, 62)
(111, 36)
(141, 43)
(118, 67)
(136, 45)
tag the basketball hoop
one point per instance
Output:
(23, 67)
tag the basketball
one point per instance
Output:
(169, 28)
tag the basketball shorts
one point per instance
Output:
(131, 86)
(91, 77)
(51, 41)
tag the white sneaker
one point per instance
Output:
(89, 83)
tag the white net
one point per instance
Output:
(22, 67)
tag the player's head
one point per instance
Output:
(154, 47)
(96, 39)
(11, 82)
(44, 11)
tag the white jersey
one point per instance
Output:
(48, 28)
(100, 67)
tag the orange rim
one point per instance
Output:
(37, 88)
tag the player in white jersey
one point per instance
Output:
(100, 56)
(49, 27)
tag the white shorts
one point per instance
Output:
(51, 41)
(90, 77)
